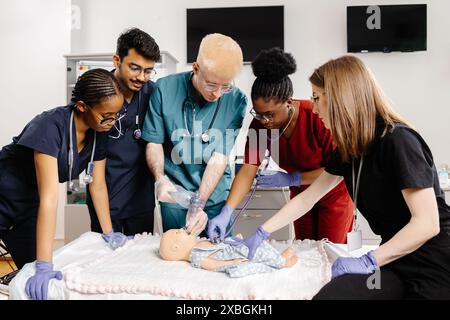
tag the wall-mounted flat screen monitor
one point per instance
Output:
(387, 28)
(254, 28)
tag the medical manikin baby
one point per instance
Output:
(178, 245)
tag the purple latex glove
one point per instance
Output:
(365, 264)
(115, 239)
(252, 243)
(217, 227)
(37, 286)
(280, 179)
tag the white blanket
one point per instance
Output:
(135, 271)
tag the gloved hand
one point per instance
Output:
(217, 227)
(365, 264)
(37, 286)
(252, 243)
(279, 179)
(115, 239)
(196, 218)
(163, 187)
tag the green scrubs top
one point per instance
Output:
(169, 121)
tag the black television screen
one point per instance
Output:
(254, 28)
(387, 28)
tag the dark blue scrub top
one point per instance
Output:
(47, 133)
(130, 182)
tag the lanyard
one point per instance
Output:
(356, 189)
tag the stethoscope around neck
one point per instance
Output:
(137, 133)
(205, 136)
(90, 168)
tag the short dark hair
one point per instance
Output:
(95, 85)
(140, 41)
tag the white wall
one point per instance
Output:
(34, 35)
(315, 31)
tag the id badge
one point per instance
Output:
(354, 240)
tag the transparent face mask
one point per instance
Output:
(182, 196)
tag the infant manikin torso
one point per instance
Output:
(266, 258)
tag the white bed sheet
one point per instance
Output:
(87, 247)
(90, 246)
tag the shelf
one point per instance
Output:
(167, 65)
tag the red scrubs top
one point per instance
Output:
(309, 148)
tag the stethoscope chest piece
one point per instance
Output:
(89, 173)
(137, 133)
(205, 136)
(90, 168)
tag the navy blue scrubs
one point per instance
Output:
(19, 198)
(130, 182)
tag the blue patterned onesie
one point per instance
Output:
(266, 259)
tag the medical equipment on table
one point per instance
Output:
(90, 167)
(137, 133)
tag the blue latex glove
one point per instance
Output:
(217, 227)
(37, 286)
(365, 264)
(280, 179)
(252, 243)
(114, 243)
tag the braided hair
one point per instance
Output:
(272, 68)
(95, 85)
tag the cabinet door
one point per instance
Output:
(76, 221)
(251, 220)
(267, 199)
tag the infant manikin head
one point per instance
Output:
(176, 245)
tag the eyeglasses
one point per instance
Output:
(136, 70)
(267, 116)
(104, 122)
(212, 87)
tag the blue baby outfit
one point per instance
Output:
(266, 259)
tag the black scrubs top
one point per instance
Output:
(47, 133)
(400, 160)
(130, 182)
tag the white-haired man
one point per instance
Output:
(191, 125)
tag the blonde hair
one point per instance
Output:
(220, 54)
(355, 103)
